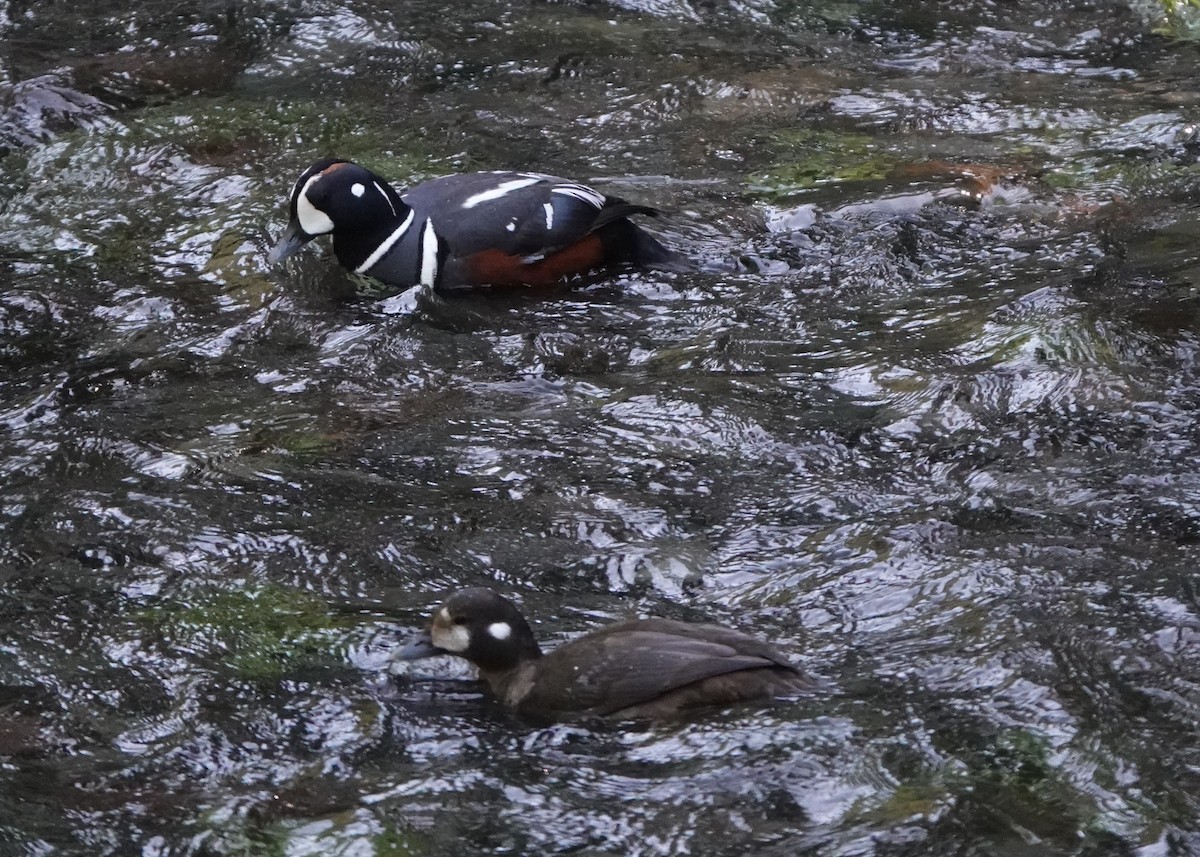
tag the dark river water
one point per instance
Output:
(927, 419)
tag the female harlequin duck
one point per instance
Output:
(464, 231)
(644, 668)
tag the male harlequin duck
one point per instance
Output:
(465, 231)
(644, 668)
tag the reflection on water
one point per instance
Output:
(934, 435)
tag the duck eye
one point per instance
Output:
(459, 620)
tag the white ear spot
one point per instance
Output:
(499, 630)
(358, 188)
(512, 225)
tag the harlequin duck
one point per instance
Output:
(644, 668)
(465, 231)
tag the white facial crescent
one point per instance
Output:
(447, 636)
(312, 219)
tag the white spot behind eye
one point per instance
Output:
(500, 630)
(358, 189)
(512, 225)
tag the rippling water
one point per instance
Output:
(935, 435)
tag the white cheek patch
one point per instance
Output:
(312, 219)
(358, 188)
(456, 638)
(499, 630)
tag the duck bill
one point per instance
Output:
(420, 646)
(293, 239)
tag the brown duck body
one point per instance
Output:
(644, 668)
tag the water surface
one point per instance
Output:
(927, 420)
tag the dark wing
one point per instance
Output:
(635, 662)
(569, 212)
(526, 215)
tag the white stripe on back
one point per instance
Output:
(581, 193)
(502, 189)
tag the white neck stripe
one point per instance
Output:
(429, 254)
(387, 244)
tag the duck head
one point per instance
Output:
(337, 197)
(481, 626)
